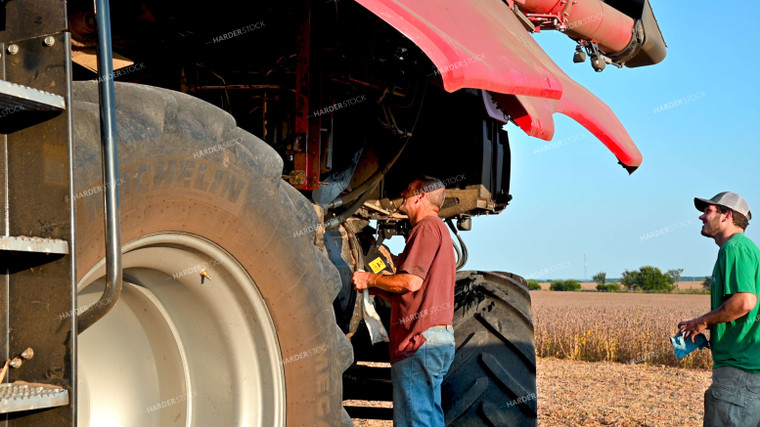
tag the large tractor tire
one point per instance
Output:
(492, 380)
(255, 343)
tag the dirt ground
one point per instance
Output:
(606, 393)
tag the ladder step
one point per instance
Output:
(372, 413)
(15, 96)
(367, 383)
(23, 396)
(33, 244)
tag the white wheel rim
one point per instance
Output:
(175, 352)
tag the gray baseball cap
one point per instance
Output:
(727, 199)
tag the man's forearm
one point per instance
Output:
(732, 309)
(396, 283)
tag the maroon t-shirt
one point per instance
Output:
(428, 254)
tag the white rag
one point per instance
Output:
(377, 331)
(375, 326)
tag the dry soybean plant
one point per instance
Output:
(626, 327)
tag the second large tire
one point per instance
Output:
(492, 380)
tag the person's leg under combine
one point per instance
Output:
(417, 381)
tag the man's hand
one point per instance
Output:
(361, 280)
(692, 327)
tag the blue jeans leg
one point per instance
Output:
(733, 399)
(417, 381)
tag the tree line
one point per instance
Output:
(645, 279)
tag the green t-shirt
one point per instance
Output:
(736, 343)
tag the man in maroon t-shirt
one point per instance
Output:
(422, 308)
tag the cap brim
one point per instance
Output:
(701, 204)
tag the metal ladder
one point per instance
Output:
(37, 247)
(37, 293)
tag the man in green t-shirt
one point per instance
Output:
(733, 399)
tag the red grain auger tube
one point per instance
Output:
(588, 19)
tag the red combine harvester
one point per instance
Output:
(189, 186)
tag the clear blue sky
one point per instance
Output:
(575, 199)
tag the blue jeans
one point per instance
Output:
(733, 399)
(417, 380)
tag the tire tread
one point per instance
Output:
(494, 333)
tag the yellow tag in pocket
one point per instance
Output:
(377, 265)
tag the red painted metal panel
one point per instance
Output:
(471, 44)
(481, 44)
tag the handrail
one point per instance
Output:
(112, 218)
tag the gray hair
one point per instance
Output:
(430, 185)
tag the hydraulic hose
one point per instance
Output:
(340, 219)
(458, 251)
(465, 255)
